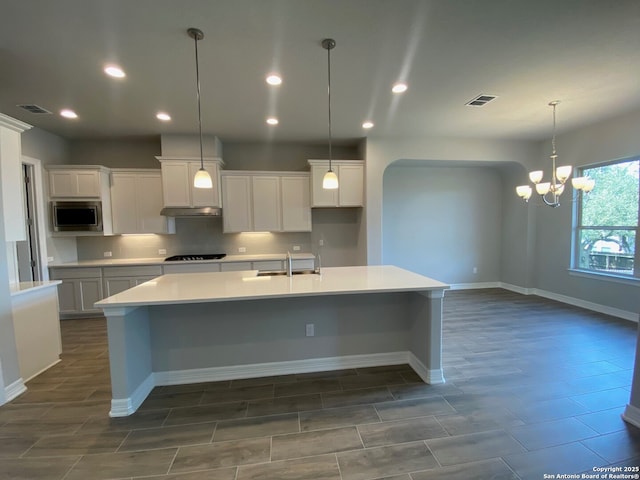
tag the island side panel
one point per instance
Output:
(129, 358)
(189, 337)
(426, 335)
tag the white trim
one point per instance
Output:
(44, 369)
(42, 212)
(14, 389)
(123, 407)
(474, 286)
(606, 277)
(13, 124)
(576, 302)
(432, 377)
(212, 374)
(632, 415)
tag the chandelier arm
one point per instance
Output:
(555, 203)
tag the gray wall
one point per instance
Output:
(45, 146)
(443, 221)
(116, 153)
(614, 139)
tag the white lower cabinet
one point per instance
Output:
(79, 290)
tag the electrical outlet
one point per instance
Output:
(242, 249)
(475, 269)
(162, 251)
(296, 248)
(321, 243)
(107, 254)
(49, 259)
(310, 330)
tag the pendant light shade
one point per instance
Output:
(202, 179)
(330, 179)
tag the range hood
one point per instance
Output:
(191, 212)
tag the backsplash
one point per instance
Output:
(193, 236)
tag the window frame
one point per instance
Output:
(577, 228)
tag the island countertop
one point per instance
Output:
(185, 288)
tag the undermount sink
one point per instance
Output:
(282, 273)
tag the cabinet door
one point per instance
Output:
(204, 197)
(234, 266)
(320, 196)
(266, 204)
(74, 183)
(68, 296)
(90, 293)
(149, 203)
(351, 178)
(176, 184)
(123, 203)
(236, 204)
(296, 209)
(117, 285)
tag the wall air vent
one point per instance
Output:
(480, 100)
(31, 108)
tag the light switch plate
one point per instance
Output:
(107, 254)
(242, 249)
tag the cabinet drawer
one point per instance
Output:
(192, 268)
(80, 272)
(267, 265)
(140, 271)
(303, 264)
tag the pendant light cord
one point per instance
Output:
(195, 38)
(329, 95)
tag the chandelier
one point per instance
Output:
(550, 191)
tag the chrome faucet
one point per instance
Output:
(318, 264)
(289, 265)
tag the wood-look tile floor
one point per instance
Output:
(533, 387)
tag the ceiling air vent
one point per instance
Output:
(31, 108)
(480, 100)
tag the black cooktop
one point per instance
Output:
(206, 256)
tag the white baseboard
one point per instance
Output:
(123, 407)
(14, 389)
(43, 370)
(214, 374)
(576, 302)
(432, 377)
(632, 415)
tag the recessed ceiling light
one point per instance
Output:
(367, 125)
(272, 121)
(114, 71)
(399, 87)
(66, 113)
(274, 79)
(165, 117)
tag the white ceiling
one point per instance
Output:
(528, 52)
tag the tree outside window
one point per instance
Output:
(607, 220)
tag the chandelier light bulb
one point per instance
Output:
(588, 185)
(564, 172)
(535, 176)
(543, 188)
(524, 192)
(578, 182)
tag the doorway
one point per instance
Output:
(28, 251)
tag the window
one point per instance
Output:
(607, 220)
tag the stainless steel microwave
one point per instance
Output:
(76, 216)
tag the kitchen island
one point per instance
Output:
(200, 327)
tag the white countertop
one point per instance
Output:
(22, 288)
(185, 288)
(108, 262)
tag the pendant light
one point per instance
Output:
(330, 179)
(202, 178)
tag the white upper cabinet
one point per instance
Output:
(136, 201)
(265, 202)
(13, 213)
(296, 206)
(237, 213)
(350, 192)
(75, 183)
(267, 209)
(177, 182)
